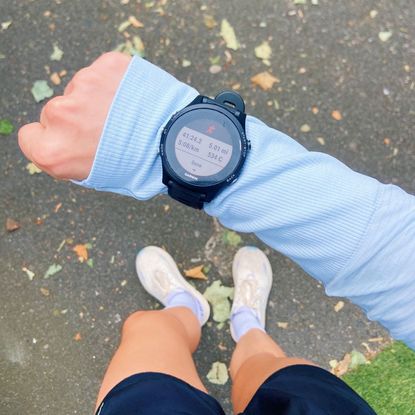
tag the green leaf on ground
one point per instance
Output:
(357, 359)
(6, 127)
(218, 374)
(52, 270)
(218, 296)
(228, 34)
(388, 383)
(134, 47)
(41, 90)
(32, 168)
(57, 53)
(231, 238)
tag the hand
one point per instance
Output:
(64, 142)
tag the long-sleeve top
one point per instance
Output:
(349, 231)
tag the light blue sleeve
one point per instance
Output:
(354, 234)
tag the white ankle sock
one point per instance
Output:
(181, 298)
(244, 320)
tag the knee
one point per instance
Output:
(141, 320)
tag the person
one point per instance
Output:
(153, 372)
(351, 232)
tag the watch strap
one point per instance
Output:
(186, 196)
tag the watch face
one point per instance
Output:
(203, 147)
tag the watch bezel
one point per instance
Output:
(208, 189)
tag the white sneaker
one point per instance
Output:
(252, 277)
(160, 277)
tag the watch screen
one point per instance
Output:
(201, 154)
(203, 146)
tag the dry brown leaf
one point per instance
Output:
(337, 115)
(339, 306)
(77, 337)
(44, 291)
(12, 225)
(342, 366)
(196, 273)
(209, 21)
(55, 78)
(57, 207)
(314, 110)
(264, 80)
(135, 23)
(82, 251)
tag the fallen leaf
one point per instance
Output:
(376, 340)
(339, 306)
(333, 363)
(276, 104)
(32, 168)
(6, 127)
(124, 25)
(196, 273)
(90, 263)
(77, 337)
(264, 80)
(41, 90)
(82, 251)
(300, 2)
(263, 52)
(315, 110)
(282, 324)
(44, 291)
(373, 13)
(134, 47)
(29, 273)
(231, 238)
(321, 141)
(57, 207)
(357, 359)
(385, 35)
(218, 296)
(314, 2)
(209, 21)
(337, 115)
(135, 22)
(57, 53)
(218, 374)
(55, 78)
(214, 69)
(2, 56)
(305, 128)
(228, 34)
(12, 225)
(342, 366)
(52, 270)
(215, 60)
(6, 25)
(186, 63)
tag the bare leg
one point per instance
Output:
(256, 357)
(156, 341)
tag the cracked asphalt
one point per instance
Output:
(58, 334)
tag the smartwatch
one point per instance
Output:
(203, 148)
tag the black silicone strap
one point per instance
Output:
(186, 196)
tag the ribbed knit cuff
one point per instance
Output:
(127, 160)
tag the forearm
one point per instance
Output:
(339, 226)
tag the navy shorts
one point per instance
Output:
(294, 390)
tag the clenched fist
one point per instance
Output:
(64, 142)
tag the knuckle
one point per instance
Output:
(54, 107)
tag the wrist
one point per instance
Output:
(127, 160)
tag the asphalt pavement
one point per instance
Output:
(346, 74)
